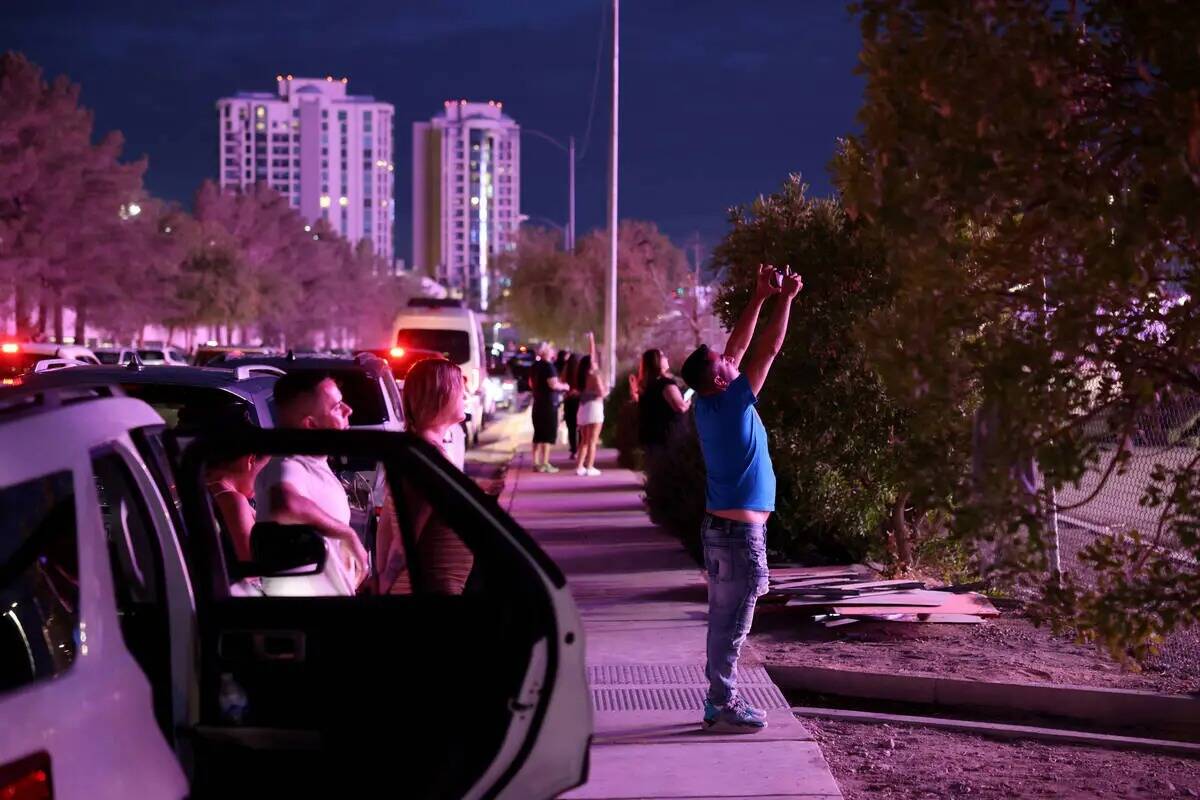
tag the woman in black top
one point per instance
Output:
(660, 403)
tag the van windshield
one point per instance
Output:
(455, 344)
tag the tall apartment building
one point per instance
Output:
(328, 152)
(466, 195)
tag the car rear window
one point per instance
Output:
(152, 355)
(39, 580)
(109, 358)
(194, 408)
(455, 344)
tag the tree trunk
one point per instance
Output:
(43, 315)
(80, 322)
(901, 532)
(59, 332)
(22, 313)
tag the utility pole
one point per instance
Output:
(696, 288)
(610, 320)
(570, 237)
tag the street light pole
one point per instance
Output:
(610, 322)
(570, 237)
(569, 149)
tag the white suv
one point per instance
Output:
(128, 666)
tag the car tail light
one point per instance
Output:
(397, 352)
(9, 347)
(27, 778)
(11, 382)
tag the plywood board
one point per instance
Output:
(976, 605)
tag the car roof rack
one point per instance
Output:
(18, 400)
(254, 370)
(52, 364)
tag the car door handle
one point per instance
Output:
(263, 645)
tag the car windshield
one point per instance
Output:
(455, 344)
(194, 408)
(152, 355)
(109, 358)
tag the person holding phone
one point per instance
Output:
(739, 491)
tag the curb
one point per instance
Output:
(999, 730)
(1118, 708)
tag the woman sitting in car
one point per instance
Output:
(433, 406)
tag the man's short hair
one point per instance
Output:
(295, 386)
(696, 371)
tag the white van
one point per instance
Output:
(446, 327)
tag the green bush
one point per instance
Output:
(675, 486)
(620, 429)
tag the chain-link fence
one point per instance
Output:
(1109, 500)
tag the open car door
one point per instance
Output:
(468, 688)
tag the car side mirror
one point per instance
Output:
(281, 550)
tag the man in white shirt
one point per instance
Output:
(303, 489)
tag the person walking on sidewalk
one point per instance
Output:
(547, 395)
(740, 490)
(592, 391)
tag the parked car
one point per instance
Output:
(207, 353)
(156, 356)
(457, 333)
(115, 356)
(191, 398)
(20, 358)
(129, 666)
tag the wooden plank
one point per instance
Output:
(893, 585)
(908, 597)
(977, 605)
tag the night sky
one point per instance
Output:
(720, 101)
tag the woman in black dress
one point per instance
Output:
(660, 403)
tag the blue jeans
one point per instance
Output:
(735, 557)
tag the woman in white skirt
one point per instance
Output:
(590, 418)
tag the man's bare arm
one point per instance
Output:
(292, 507)
(762, 356)
(743, 330)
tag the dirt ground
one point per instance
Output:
(1008, 648)
(874, 761)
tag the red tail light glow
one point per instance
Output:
(9, 347)
(397, 352)
(27, 779)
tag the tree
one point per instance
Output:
(1036, 169)
(557, 295)
(63, 200)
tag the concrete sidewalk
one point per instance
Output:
(644, 605)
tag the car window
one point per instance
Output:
(39, 580)
(455, 344)
(362, 392)
(109, 358)
(151, 355)
(132, 545)
(192, 408)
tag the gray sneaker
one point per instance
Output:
(736, 716)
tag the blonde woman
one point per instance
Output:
(433, 404)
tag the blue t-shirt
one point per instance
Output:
(734, 443)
